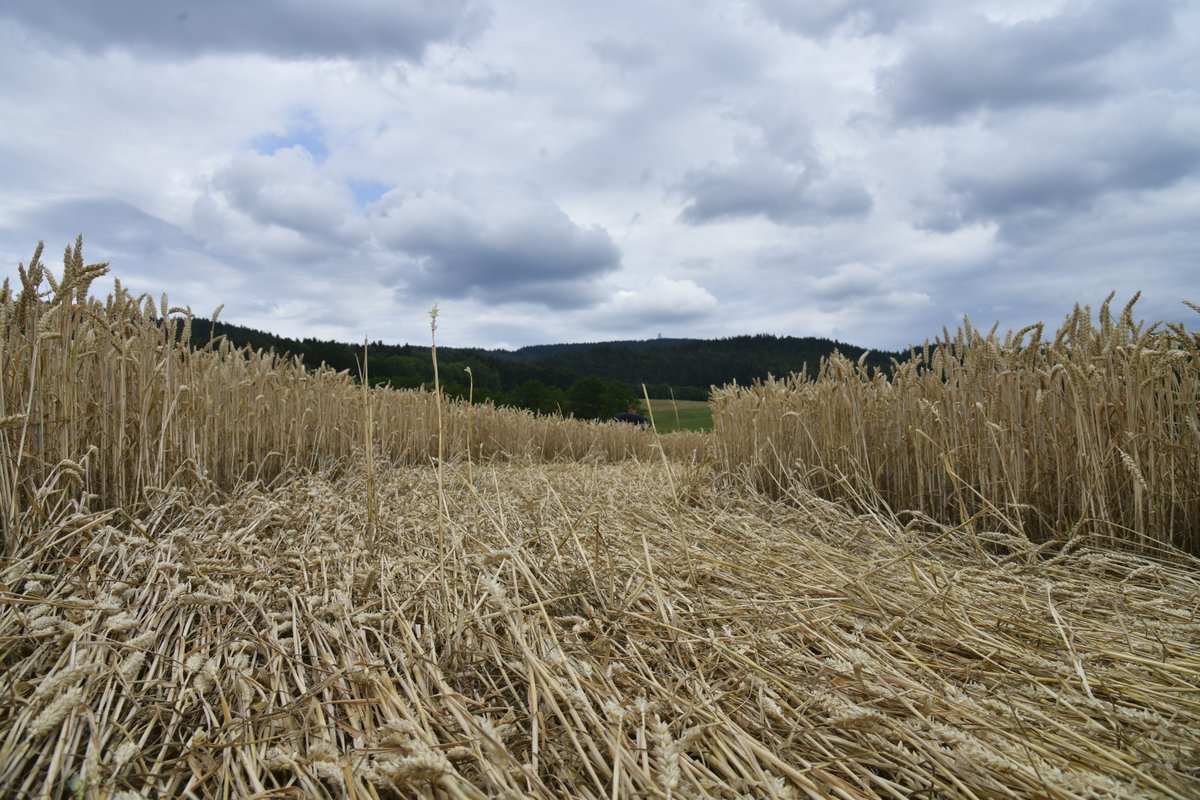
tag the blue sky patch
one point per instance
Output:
(303, 129)
(366, 192)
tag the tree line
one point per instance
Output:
(588, 381)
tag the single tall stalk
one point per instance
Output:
(441, 438)
(368, 438)
(470, 406)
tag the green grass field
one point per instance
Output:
(693, 415)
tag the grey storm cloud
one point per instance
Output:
(780, 175)
(821, 18)
(623, 55)
(282, 28)
(108, 224)
(495, 244)
(1065, 179)
(783, 192)
(990, 65)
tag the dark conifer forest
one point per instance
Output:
(586, 380)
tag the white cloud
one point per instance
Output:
(661, 301)
(554, 171)
(862, 286)
(285, 189)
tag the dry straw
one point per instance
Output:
(569, 650)
(1096, 432)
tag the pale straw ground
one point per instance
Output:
(582, 630)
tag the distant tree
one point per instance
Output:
(536, 396)
(588, 398)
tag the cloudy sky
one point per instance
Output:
(550, 171)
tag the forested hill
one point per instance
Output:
(541, 352)
(684, 363)
(587, 380)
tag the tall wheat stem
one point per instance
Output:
(441, 439)
(368, 446)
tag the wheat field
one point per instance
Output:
(224, 576)
(1094, 433)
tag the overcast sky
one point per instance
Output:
(550, 171)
